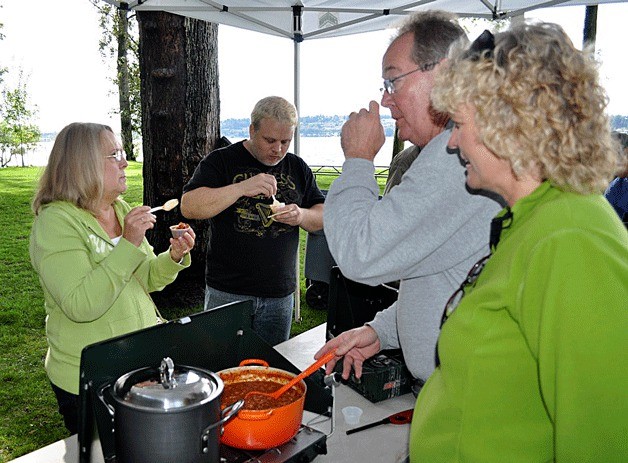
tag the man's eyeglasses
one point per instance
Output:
(455, 298)
(389, 84)
(118, 155)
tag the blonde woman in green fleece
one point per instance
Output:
(89, 249)
(533, 345)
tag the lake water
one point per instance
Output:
(316, 151)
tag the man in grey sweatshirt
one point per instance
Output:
(428, 231)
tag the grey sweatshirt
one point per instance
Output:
(427, 232)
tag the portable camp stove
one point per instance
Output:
(212, 340)
(305, 446)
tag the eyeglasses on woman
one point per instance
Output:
(456, 297)
(118, 155)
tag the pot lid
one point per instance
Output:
(168, 388)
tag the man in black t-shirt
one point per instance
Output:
(252, 248)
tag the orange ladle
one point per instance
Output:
(304, 374)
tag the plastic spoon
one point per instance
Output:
(168, 205)
(277, 213)
(274, 206)
(304, 374)
(275, 202)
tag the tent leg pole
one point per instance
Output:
(297, 151)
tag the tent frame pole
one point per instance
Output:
(297, 31)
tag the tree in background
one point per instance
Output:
(2, 69)
(119, 41)
(589, 31)
(619, 123)
(180, 124)
(18, 132)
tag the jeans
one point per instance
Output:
(272, 316)
(68, 407)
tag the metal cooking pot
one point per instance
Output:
(168, 414)
(262, 429)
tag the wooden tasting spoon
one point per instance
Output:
(168, 205)
(304, 374)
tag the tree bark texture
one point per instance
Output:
(590, 26)
(397, 145)
(123, 83)
(180, 123)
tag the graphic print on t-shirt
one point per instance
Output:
(252, 214)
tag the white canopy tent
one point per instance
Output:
(300, 20)
(310, 19)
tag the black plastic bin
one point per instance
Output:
(317, 268)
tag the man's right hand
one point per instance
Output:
(362, 136)
(355, 345)
(205, 203)
(264, 184)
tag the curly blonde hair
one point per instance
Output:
(538, 104)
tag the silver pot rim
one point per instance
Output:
(191, 387)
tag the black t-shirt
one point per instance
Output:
(248, 253)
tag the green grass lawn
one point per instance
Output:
(28, 414)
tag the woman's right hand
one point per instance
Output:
(136, 222)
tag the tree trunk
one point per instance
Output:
(397, 145)
(180, 124)
(590, 26)
(124, 95)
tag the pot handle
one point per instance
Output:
(256, 415)
(229, 412)
(225, 415)
(101, 396)
(261, 362)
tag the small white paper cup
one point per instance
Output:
(178, 232)
(352, 415)
(275, 206)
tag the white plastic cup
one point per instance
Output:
(352, 415)
(178, 232)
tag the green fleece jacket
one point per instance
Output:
(93, 289)
(533, 360)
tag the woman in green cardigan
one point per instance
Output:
(89, 249)
(533, 345)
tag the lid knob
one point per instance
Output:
(166, 373)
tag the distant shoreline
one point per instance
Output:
(327, 126)
(315, 151)
(309, 126)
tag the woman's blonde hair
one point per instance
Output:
(75, 169)
(538, 104)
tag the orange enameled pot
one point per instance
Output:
(262, 429)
